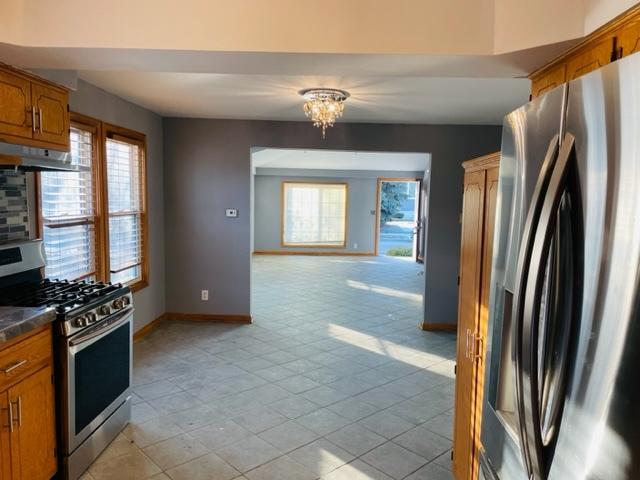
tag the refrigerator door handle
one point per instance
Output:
(533, 291)
(524, 255)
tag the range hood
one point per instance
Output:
(21, 157)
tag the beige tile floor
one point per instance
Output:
(333, 380)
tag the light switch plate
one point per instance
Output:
(231, 212)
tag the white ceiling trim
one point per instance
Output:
(288, 158)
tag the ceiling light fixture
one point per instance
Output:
(324, 106)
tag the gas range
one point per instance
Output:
(78, 305)
(93, 351)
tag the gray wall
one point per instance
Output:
(90, 100)
(208, 169)
(361, 205)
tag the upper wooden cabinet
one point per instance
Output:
(16, 114)
(549, 80)
(617, 39)
(33, 112)
(52, 114)
(628, 38)
(597, 55)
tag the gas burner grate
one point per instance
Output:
(63, 294)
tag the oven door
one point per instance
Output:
(98, 376)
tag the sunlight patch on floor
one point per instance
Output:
(391, 292)
(388, 348)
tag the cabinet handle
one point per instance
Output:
(479, 343)
(40, 119)
(33, 119)
(11, 368)
(467, 351)
(472, 352)
(19, 408)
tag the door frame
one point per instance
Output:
(379, 206)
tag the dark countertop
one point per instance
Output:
(16, 321)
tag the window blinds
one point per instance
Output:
(314, 214)
(125, 195)
(68, 213)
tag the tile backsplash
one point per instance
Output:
(14, 213)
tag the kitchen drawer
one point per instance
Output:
(25, 357)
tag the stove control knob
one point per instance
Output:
(104, 310)
(126, 300)
(91, 317)
(80, 322)
(118, 303)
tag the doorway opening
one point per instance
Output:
(400, 218)
(317, 212)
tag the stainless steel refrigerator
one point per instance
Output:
(562, 386)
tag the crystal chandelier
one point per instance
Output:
(324, 106)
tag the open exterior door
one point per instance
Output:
(421, 221)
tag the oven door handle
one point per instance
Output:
(111, 324)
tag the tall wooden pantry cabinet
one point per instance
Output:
(478, 216)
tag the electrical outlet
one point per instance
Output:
(355, 246)
(204, 295)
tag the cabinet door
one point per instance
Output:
(33, 438)
(480, 344)
(15, 105)
(52, 115)
(548, 80)
(5, 448)
(592, 58)
(629, 39)
(468, 311)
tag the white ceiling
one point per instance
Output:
(444, 89)
(340, 160)
(275, 97)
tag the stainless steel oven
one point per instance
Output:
(93, 351)
(96, 367)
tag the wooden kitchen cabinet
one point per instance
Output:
(618, 38)
(549, 80)
(15, 99)
(598, 55)
(27, 409)
(5, 450)
(33, 440)
(33, 112)
(52, 114)
(478, 217)
(628, 38)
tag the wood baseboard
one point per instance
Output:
(317, 254)
(439, 327)
(149, 327)
(207, 317)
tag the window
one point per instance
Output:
(126, 208)
(314, 214)
(93, 222)
(68, 211)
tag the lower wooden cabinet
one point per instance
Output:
(5, 450)
(478, 218)
(27, 414)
